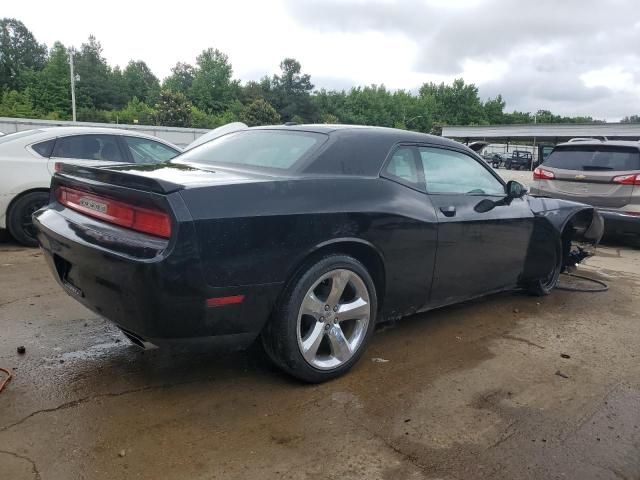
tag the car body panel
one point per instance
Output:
(242, 231)
(460, 271)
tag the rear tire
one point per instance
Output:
(310, 340)
(19, 220)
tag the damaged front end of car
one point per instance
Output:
(580, 236)
(563, 231)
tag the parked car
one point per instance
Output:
(517, 160)
(605, 174)
(27, 160)
(306, 236)
(488, 157)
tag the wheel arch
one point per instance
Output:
(362, 250)
(22, 194)
(561, 222)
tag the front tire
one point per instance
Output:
(544, 286)
(324, 320)
(19, 220)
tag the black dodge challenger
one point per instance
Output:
(305, 236)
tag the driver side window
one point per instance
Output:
(447, 171)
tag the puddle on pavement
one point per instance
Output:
(94, 352)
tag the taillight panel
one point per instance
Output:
(542, 174)
(632, 179)
(146, 220)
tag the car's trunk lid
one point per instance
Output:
(161, 178)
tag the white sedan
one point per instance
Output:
(28, 158)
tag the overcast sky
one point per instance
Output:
(574, 57)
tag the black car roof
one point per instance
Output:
(359, 149)
(366, 130)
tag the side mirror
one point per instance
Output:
(515, 189)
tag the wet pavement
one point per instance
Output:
(510, 386)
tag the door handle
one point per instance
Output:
(449, 211)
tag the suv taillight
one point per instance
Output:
(633, 179)
(146, 220)
(542, 174)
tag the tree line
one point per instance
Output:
(35, 83)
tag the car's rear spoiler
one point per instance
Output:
(114, 176)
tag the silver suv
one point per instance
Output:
(602, 173)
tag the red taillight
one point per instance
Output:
(633, 179)
(153, 222)
(542, 174)
(222, 301)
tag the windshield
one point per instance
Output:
(14, 136)
(278, 149)
(594, 158)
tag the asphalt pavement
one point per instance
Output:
(506, 387)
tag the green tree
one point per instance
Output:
(456, 104)
(140, 82)
(19, 53)
(516, 117)
(494, 110)
(213, 89)
(631, 119)
(51, 87)
(181, 78)
(173, 109)
(290, 92)
(92, 114)
(259, 112)
(136, 112)
(252, 91)
(119, 91)
(96, 88)
(17, 104)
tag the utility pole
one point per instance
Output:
(73, 83)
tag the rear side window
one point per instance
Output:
(279, 149)
(402, 166)
(144, 150)
(88, 147)
(594, 158)
(44, 149)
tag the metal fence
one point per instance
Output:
(177, 136)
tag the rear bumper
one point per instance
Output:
(158, 295)
(618, 223)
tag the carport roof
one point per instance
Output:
(544, 132)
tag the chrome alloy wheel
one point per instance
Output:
(333, 319)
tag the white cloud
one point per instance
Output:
(572, 57)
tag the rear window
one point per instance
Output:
(279, 149)
(594, 158)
